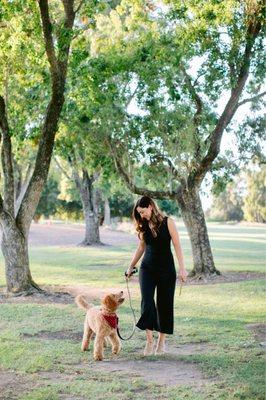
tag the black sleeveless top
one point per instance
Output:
(158, 256)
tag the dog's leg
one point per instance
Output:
(106, 342)
(86, 337)
(98, 347)
(116, 344)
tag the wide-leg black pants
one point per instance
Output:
(159, 317)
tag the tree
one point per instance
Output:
(23, 29)
(178, 135)
(48, 201)
(255, 200)
(91, 201)
(82, 160)
(227, 206)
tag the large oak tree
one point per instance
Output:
(31, 30)
(176, 63)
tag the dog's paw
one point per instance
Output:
(85, 345)
(98, 357)
(115, 351)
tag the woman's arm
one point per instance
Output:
(177, 245)
(137, 255)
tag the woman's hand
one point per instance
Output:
(182, 275)
(129, 272)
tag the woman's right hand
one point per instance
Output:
(182, 275)
(129, 272)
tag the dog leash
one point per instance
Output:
(181, 283)
(133, 312)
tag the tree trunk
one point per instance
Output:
(92, 235)
(90, 204)
(16, 222)
(15, 251)
(193, 216)
(107, 213)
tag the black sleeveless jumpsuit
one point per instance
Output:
(157, 270)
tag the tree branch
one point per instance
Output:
(62, 169)
(196, 98)
(48, 37)
(75, 176)
(199, 108)
(131, 97)
(7, 163)
(196, 177)
(198, 77)
(262, 94)
(171, 165)
(83, 184)
(159, 194)
(58, 72)
(23, 189)
(1, 206)
(77, 179)
(65, 36)
(79, 6)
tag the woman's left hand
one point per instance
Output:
(182, 275)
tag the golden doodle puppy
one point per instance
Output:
(101, 320)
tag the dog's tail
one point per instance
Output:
(81, 302)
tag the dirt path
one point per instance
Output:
(162, 371)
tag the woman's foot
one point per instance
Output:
(160, 347)
(148, 350)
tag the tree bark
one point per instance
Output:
(193, 216)
(107, 213)
(92, 235)
(15, 251)
(90, 204)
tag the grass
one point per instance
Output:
(217, 314)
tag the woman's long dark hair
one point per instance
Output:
(156, 219)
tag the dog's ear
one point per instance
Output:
(109, 302)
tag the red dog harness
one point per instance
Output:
(112, 320)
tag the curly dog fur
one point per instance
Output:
(96, 323)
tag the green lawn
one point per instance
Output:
(217, 314)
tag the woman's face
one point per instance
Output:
(145, 212)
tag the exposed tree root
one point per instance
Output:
(205, 277)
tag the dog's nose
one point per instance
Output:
(121, 292)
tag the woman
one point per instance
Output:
(157, 270)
